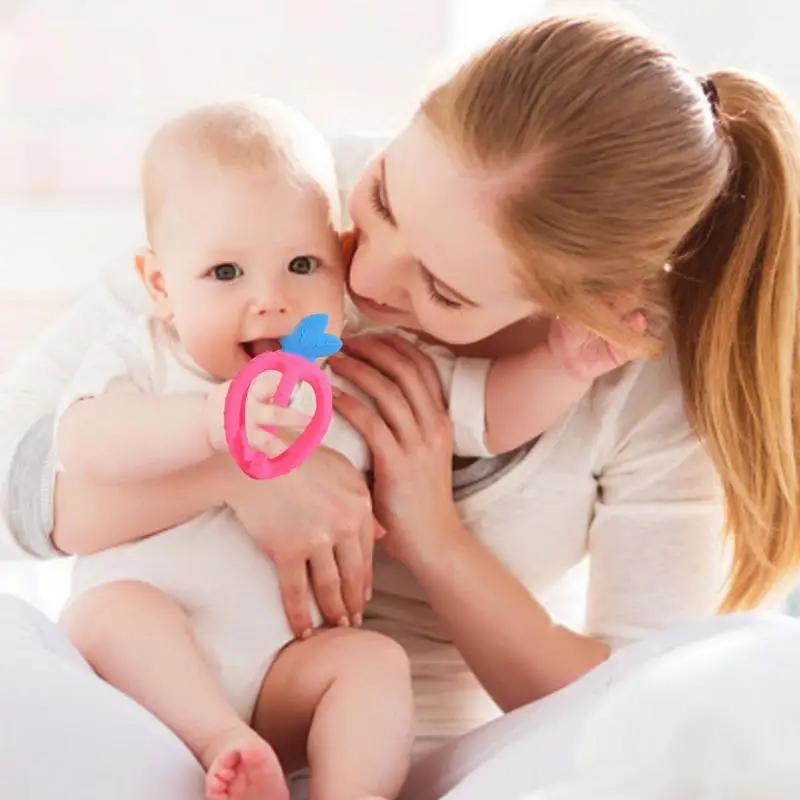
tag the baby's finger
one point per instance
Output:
(265, 385)
(637, 322)
(265, 442)
(269, 415)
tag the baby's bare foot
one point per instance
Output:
(246, 769)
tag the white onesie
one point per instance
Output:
(209, 565)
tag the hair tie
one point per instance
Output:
(711, 93)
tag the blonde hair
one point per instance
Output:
(626, 179)
(259, 134)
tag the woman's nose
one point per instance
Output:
(375, 272)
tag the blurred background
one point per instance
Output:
(83, 83)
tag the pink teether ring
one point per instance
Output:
(296, 364)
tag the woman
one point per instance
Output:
(572, 169)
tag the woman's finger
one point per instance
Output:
(327, 584)
(424, 364)
(351, 572)
(370, 425)
(405, 372)
(293, 581)
(369, 533)
(388, 396)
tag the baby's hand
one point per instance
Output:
(584, 354)
(260, 412)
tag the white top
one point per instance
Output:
(622, 479)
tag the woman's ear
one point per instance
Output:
(149, 270)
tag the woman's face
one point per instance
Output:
(427, 256)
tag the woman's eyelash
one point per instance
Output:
(436, 295)
(377, 202)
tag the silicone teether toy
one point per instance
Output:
(295, 361)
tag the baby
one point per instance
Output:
(240, 204)
(241, 210)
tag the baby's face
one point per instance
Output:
(241, 258)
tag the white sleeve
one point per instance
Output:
(123, 356)
(31, 388)
(656, 554)
(464, 384)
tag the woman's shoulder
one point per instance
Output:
(644, 398)
(648, 381)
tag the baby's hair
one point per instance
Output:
(250, 135)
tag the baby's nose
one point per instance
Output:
(272, 305)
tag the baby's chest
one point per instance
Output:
(172, 375)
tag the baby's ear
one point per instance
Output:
(138, 263)
(348, 243)
(150, 272)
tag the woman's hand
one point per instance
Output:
(316, 525)
(409, 436)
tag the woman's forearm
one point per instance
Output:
(90, 517)
(508, 639)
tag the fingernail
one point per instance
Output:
(344, 622)
(336, 391)
(368, 594)
(306, 634)
(358, 619)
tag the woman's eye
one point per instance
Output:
(303, 265)
(226, 272)
(437, 296)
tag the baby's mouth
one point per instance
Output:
(259, 346)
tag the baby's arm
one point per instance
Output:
(113, 428)
(126, 435)
(525, 395)
(499, 405)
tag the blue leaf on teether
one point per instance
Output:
(309, 340)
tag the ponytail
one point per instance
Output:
(735, 292)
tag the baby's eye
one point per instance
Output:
(303, 265)
(226, 272)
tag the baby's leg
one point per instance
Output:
(139, 640)
(344, 699)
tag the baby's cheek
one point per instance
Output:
(213, 348)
